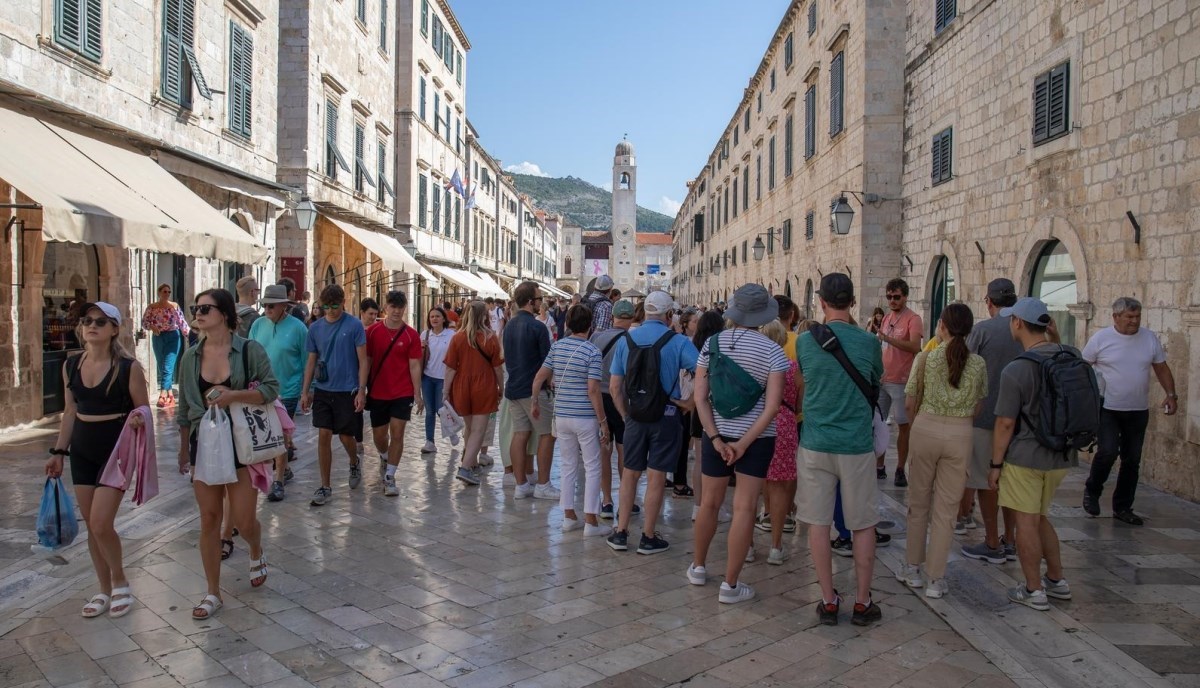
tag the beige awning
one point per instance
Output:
(472, 283)
(389, 251)
(94, 192)
(554, 291)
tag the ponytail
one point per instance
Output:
(958, 321)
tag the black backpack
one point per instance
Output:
(644, 392)
(1069, 412)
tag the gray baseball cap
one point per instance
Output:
(1029, 309)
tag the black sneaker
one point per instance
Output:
(901, 479)
(843, 547)
(619, 540)
(1091, 504)
(636, 510)
(828, 611)
(276, 493)
(288, 475)
(1127, 516)
(606, 512)
(865, 615)
(880, 473)
(652, 545)
(882, 539)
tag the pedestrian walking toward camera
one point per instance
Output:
(435, 342)
(900, 334)
(606, 342)
(106, 396)
(944, 393)
(474, 383)
(739, 386)
(841, 365)
(335, 386)
(393, 384)
(168, 328)
(644, 384)
(217, 372)
(285, 340)
(526, 345)
(1124, 355)
(247, 306)
(1053, 393)
(574, 365)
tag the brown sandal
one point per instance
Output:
(226, 549)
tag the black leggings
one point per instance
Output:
(92, 443)
(681, 465)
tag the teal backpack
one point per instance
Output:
(732, 391)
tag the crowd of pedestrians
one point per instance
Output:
(790, 413)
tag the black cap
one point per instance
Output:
(1001, 288)
(837, 289)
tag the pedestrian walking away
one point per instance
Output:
(526, 336)
(334, 386)
(686, 326)
(944, 392)
(574, 365)
(606, 342)
(218, 372)
(168, 328)
(1124, 355)
(841, 368)
(434, 343)
(644, 386)
(900, 336)
(601, 302)
(285, 340)
(102, 387)
(740, 379)
(393, 384)
(474, 383)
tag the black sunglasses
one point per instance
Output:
(894, 297)
(88, 321)
(203, 309)
(332, 306)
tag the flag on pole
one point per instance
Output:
(471, 197)
(457, 184)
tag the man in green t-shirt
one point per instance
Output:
(837, 450)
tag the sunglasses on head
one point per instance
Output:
(203, 309)
(102, 321)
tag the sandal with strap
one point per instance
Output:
(122, 602)
(226, 549)
(258, 568)
(207, 607)
(96, 606)
(684, 491)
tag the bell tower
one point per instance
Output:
(622, 267)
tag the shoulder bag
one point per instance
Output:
(827, 340)
(378, 364)
(257, 430)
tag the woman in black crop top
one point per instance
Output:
(103, 385)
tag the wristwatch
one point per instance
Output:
(997, 466)
(59, 452)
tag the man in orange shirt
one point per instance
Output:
(900, 335)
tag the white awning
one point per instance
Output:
(472, 283)
(492, 286)
(386, 249)
(94, 192)
(222, 180)
(554, 291)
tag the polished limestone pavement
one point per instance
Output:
(462, 586)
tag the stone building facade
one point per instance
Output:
(181, 111)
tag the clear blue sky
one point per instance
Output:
(556, 83)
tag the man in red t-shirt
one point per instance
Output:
(393, 384)
(900, 334)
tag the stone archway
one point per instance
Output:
(1046, 229)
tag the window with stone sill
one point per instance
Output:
(79, 26)
(180, 67)
(941, 155)
(944, 13)
(1051, 104)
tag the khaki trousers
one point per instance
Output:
(938, 453)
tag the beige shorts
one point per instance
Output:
(819, 474)
(981, 459)
(523, 421)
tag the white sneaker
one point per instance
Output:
(509, 480)
(910, 575)
(695, 510)
(484, 459)
(776, 557)
(389, 486)
(523, 491)
(937, 588)
(429, 448)
(750, 555)
(570, 524)
(724, 516)
(599, 530)
(697, 575)
(739, 593)
(546, 491)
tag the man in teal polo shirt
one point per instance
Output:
(284, 339)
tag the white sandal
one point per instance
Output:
(125, 603)
(96, 606)
(258, 569)
(209, 605)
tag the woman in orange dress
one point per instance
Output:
(474, 382)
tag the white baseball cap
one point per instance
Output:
(658, 303)
(106, 308)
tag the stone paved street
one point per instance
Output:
(463, 587)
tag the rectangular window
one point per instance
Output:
(810, 122)
(447, 122)
(812, 17)
(448, 49)
(448, 209)
(837, 72)
(717, 216)
(458, 72)
(421, 102)
(362, 174)
(360, 11)
(436, 39)
(735, 198)
(422, 199)
(180, 68)
(1051, 104)
(745, 252)
(772, 80)
(746, 188)
(770, 240)
(735, 136)
(78, 25)
(787, 235)
(437, 206)
(941, 155)
(760, 101)
(725, 217)
(787, 146)
(746, 120)
(383, 25)
(458, 135)
(241, 80)
(381, 160)
(789, 51)
(458, 218)
(437, 113)
(425, 18)
(771, 164)
(758, 178)
(810, 221)
(944, 12)
(333, 156)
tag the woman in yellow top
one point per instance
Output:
(949, 383)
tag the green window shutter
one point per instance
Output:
(383, 25)
(68, 23)
(447, 122)
(172, 57)
(362, 174)
(422, 101)
(787, 235)
(770, 240)
(836, 83)
(458, 72)
(725, 217)
(947, 155)
(944, 12)
(437, 207)
(812, 17)
(940, 154)
(360, 11)
(746, 188)
(447, 208)
(425, 17)
(771, 164)
(758, 178)
(787, 146)
(810, 122)
(437, 113)
(1058, 120)
(735, 198)
(448, 50)
(457, 218)
(788, 51)
(241, 81)
(746, 120)
(809, 223)
(436, 40)
(1041, 107)
(422, 199)
(935, 158)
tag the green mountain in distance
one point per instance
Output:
(584, 204)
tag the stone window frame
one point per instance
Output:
(1069, 50)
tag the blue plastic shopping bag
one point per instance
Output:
(56, 525)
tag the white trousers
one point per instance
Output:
(576, 437)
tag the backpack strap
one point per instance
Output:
(825, 336)
(608, 347)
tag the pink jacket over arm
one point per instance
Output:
(134, 455)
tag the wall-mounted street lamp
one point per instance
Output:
(473, 267)
(759, 248)
(306, 213)
(716, 270)
(841, 215)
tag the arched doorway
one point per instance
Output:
(1054, 282)
(942, 291)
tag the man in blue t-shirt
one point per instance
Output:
(337, 369)
(649, 446)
